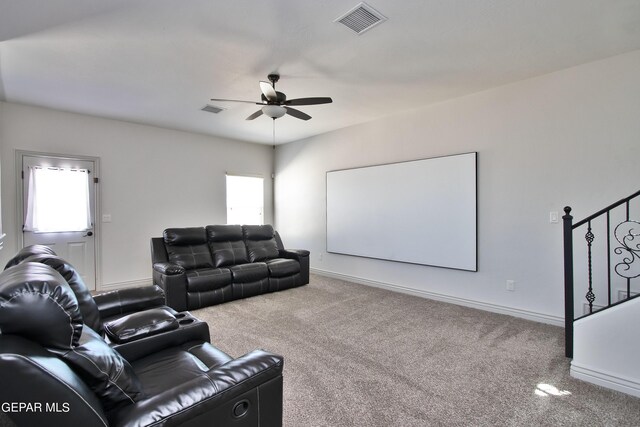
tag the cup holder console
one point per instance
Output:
(185, 318)
(186, 327)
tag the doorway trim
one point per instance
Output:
(97, 223)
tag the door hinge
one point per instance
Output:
(22, 173)
(95, 180)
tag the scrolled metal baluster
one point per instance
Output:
(627, 233)
(590, 296)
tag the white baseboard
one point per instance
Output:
(128, 284)
(605, 379)
(494, 308)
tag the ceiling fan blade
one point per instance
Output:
(268, 91)
(237, 100)
(254, 115)
(309, 101)
(297, 113)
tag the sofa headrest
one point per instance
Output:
(28, 251)
(185, 236)
(38, 304)
(224, 233)
(258, 232)
(88, 306)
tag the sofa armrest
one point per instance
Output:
(128, 300)
(168, 268)
(174, 287)
(293, 253)
(302, 256)
(252, 382)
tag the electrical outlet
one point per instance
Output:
(511, 285)
(320, 257)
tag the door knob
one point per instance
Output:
(89, 234)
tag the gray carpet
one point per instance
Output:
(362, 356)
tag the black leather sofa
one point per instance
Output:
(201, 266)
(57, 371)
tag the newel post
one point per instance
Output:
(567, 222)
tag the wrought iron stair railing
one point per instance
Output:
(609, 263)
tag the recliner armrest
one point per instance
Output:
(141, 324)
(217, 393)
(168, 268)
(197, 331)
(128, 300)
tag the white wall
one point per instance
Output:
(567, 138)
(151, 179)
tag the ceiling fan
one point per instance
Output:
(275, 104)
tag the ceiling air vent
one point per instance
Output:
(361, 18)
(212, 109)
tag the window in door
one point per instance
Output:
(245, 200)
(57, 200)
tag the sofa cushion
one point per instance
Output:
(258, 232)
(207, 279)
(246, 273)
(190, 257)
(187, 247)
(226, 244)
(260, 241)
(185, 236)
(281, 267)
(223, 233)
(171, 367)
(201, 299)
(104, 370)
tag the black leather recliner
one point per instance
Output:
(56, 371)
(121, 316)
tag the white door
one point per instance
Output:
(59, 209)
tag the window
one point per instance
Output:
(57, 200)
(245, 200)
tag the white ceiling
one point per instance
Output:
(159, 62)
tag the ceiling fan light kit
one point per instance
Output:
(275, 104)
(274, 111)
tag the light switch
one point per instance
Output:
(106, 217)
(553, 217)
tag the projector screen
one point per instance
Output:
(419, 212)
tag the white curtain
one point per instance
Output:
(58, 200)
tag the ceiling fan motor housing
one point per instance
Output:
(281, 98)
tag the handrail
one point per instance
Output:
(608, 208)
